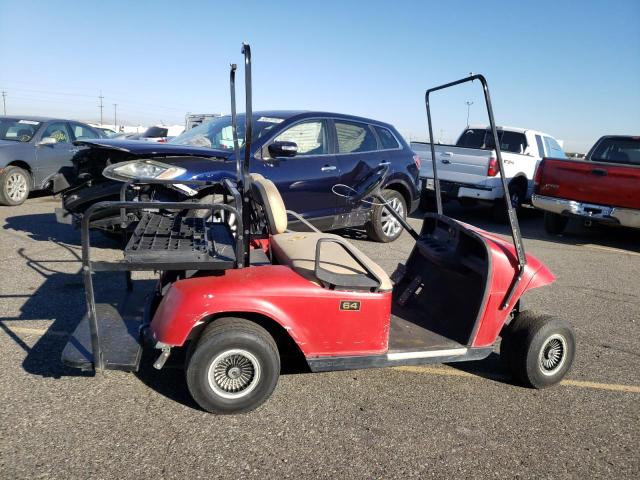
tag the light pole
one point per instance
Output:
(4, 102)
(115, 116)
(468, 103)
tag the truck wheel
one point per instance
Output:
(234, 367)
(516, 195)
(538, 350)
(554, 223)
(383, 227)
(15, 185)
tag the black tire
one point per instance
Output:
(516, 194)
(250, 350)
(555, 224)
(428, 201)
(538, 350)
(15, 186)
(381, 227)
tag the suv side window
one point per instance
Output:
(311, 137)
(355, 137)
(553, 148)
(58, 131)
(81, 132)
(387, 139)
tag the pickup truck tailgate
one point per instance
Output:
(455, 164)
(599, 183)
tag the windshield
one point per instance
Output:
(217, 133)
(17, 130)
(618, 150)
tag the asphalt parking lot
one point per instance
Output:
(464, 421)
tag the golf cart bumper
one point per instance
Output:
(625, 217)
(457, 190)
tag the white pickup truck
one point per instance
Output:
(468, 170)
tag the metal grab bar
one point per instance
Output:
(86, 254)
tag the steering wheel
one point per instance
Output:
(369, 184)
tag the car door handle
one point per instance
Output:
(328, 168)
(601, 172)
(445, 161)
(382, 164)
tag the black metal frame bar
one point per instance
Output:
(513, 219)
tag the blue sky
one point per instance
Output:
(571, 69)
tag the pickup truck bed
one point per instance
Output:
(599, 191)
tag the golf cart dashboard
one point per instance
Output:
(448, 244)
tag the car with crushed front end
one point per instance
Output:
(238, 301)
(33, 150)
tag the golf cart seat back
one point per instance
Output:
(298, 249)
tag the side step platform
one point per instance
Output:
(119, 339)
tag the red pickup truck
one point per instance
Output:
(603, 188)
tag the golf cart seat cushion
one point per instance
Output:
(298, 251)
(271, 200)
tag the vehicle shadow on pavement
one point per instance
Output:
(490, 368)
(44, 227)
(59, 298)
(532, 227)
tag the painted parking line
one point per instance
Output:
(450, 372)
(442, 371)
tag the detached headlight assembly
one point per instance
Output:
(142, 169)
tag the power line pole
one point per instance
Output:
(115, 117)
(469, 103)
(4, 102)
(100, 97)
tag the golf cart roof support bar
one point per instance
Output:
(234, 122)
(513, 219)
(248, 133)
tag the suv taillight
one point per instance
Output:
(416, 160)
(493, 169)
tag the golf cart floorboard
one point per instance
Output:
(406, 336)
(119, 334)
(161, 240)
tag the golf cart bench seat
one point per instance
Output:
(298, 249)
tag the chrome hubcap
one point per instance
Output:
(391, 226)
(234, 373)
(16, 187)
(552, 354)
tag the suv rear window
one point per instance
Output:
(618, 150)
(387, 139)
(153, 132)
(355, 137)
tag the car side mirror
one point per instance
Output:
(47, 141)
(283, 149)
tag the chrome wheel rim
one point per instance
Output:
(390, 226)
(552, 354)
(234, 373)
(16, 187)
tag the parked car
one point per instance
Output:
(602, 188)
(306, 154)
(469, 170)
(108, 132)
(32, 151)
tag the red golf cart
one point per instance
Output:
(240, 295)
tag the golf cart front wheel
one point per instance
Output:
(383, 227)
(538, 350)
(234, 367)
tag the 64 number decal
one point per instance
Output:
(350, 305)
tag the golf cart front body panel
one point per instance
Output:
(316, 318)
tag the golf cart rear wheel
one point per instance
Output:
(383, 227)
(538, 350)
(234, 367)
(15, 185)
